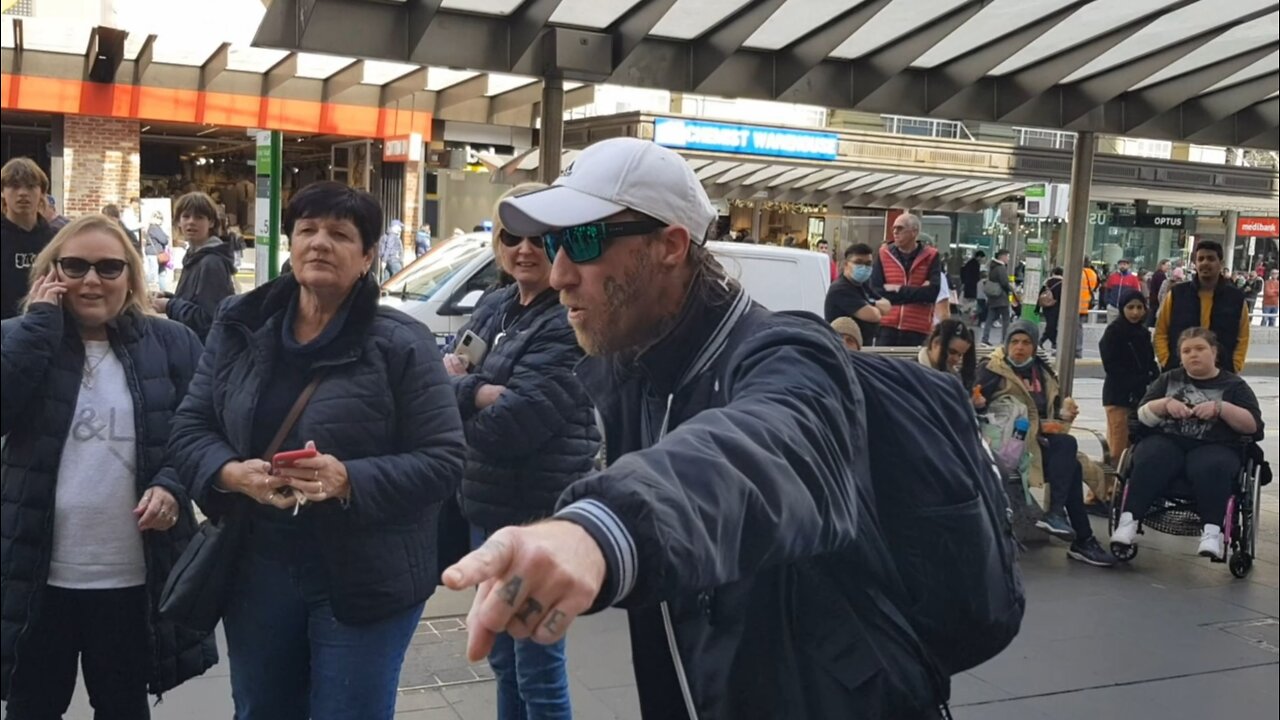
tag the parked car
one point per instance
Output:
(443, 287)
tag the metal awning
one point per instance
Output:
(817, 184)
(821, 184)
(1196, 70)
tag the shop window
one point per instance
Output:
(1159, 149)
(1208, 154)
(1037, 138)
(925, 127)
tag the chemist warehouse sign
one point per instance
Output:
(744, 139)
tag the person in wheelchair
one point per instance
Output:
(1016, 371)
(1197, 418)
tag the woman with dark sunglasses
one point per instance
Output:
(530, 432)
(94, 516)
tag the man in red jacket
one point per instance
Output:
(1119, 283)
(907, 274)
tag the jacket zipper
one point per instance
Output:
(140, 484)
(676, 661)
(679, 665)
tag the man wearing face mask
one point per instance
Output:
(1119, 284)
(851, 295)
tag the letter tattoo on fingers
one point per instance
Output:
(553, 622)
(511, 590)
(530, 608)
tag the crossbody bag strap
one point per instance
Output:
(291, 419)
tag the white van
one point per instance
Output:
(442, 287)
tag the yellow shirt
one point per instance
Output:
(1206, 312)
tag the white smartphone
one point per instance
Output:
(471, 348)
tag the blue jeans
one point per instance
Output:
(532, 679)
(1269, 316)
(290, 658)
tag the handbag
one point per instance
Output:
(1046, 297)
(196, 592)
(163, 258)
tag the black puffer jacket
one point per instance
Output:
(541, 434)
(1128, 358)
(744, 542)
(385, 409)
(43, 358)
(208, 278)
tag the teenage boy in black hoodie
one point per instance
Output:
(23, 232)
(208, 269)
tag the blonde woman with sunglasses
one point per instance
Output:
(93, 516)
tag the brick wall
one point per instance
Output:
(101, 163)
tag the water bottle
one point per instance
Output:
(1011, 451)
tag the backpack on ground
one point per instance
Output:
(943, 511)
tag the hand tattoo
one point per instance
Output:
(511, 589)
(553, 622)
(531, 607)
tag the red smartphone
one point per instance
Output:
(287, 459)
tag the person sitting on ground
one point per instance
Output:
(1016, 371)
(851, 294)
(849, 332)
(1130, 364)
(1199, 415)
(951, 349)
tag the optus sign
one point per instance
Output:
(1258, 227)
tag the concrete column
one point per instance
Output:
(1229, 247)
(101, 164)
(551, 142)
(1077, 234)
(57, 169)
(411, 212)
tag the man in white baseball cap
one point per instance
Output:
(735, 450)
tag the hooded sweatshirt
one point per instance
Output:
(18, 251)
(1128, 357)
(208, 278)
(1032, 374)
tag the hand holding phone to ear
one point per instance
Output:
(48, 289)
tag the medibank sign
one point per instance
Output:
(1258, 227)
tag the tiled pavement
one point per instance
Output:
(1169, 637)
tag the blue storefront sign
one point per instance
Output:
(744, 139)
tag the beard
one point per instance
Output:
(625, 325)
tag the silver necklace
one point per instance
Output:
(91, 368)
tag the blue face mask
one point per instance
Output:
(861, 273)
(1022, 364)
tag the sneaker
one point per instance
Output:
(1055, 523)
(1126, 531)
(1090, 552)
(1211, 543)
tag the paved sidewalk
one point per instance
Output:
(1170, 636)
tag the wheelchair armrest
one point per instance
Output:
(1102, 440)
(1125, 464)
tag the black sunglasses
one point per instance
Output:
(76, 268)
(584, 243)
(510, 240)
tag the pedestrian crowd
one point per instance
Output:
(618, 424)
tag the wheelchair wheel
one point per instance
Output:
(1240, 565)
(1124, 553)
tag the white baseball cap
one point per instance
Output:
(609, 177)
